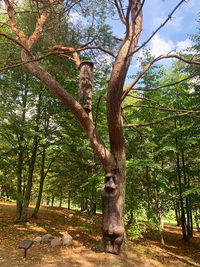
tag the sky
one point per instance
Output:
(175, 35)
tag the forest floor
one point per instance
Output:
(86, 249)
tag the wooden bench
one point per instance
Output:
(26, 244)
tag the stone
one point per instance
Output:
(46, 238)
(38, 239)
(66, 240)
(114, 261)
(56, 242)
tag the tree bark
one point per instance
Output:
(42, 178)
(69, 200)
(183, 220)
(177, 212)
(52, 201)
(20, 161)
(29, 183)
(159, 214)
(113, 191)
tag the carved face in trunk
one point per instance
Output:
(113, 231)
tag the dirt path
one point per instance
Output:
(86, 249)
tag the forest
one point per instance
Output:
(77, 131)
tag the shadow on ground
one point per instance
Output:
(86, 249)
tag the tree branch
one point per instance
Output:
(157, 108)
(157, 103)
(13, 26)
(69, 50)
(146, 68)
(133, 129)
(162, 25)
(104, 155)
(81, 48)
(97, 109)
(120, 13)
(162, 120)
(33, 60)
(163, 86)
(15, 41)
(42, 18)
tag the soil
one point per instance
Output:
(86, 249)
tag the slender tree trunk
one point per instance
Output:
(29, 183)
(177, 212)
(69, 200)
(197, 220)
(159, 215)
(183, 220)
(42, 178)
(148, 210)
(20, 161)
(188, 208)
(19, 186)
(94, 207)
(61, 198)
(52, 201)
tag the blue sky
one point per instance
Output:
(175, 34)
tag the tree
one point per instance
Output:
(114, 159)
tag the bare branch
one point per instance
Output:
(34, 60)
(72, 5)
(155, 102)
(15, 41)
(13, 26)
(151, 107)
(146, 68)
(98, 48)
(97, 109)
(70, 50)
(120, 12)
(133, 129)
(42, 18)
(75, 51)
(162, 120)
(163, 86)
(162, 25)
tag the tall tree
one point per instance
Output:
(114, 159)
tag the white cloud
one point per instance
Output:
(75, 18)
(160, 46)
(182, 45)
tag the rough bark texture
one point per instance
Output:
(113, 192)
(20, 161)
(42, 177)
(29, 183)
(113, 223)
(85, 85)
